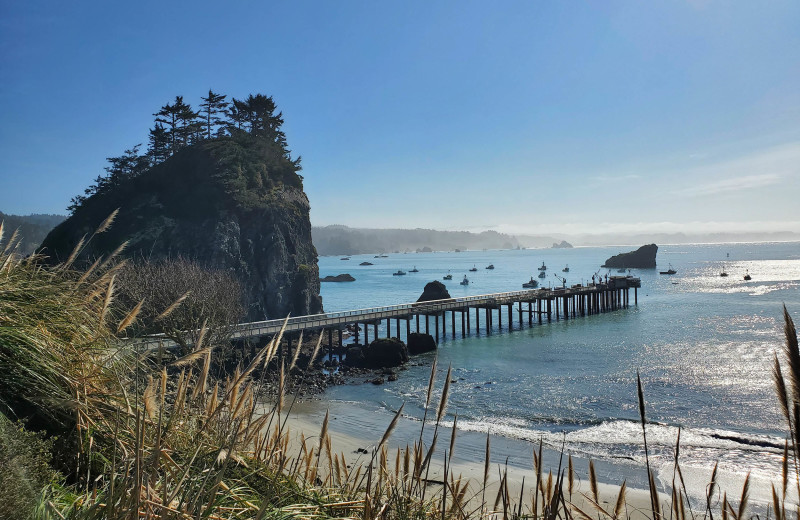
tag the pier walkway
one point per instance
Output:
(538, 305)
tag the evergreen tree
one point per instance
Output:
(213, 105)
(181, 123)
(159, 146)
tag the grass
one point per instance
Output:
(140, 439)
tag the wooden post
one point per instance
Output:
(477, 320)
(453, 323)
(500, 317)
(389, 328)
(488, 320)
(463, 319)
(427, 324)
(375, 328)
(468, 326)
(437, 328)
(417, 323)
(511, 315)
(636, 296)
(366, 334)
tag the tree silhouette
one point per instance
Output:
(213, 105)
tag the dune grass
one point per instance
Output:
(134, 438)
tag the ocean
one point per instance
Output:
(703, 344)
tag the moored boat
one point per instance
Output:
(747, 276)
(543, 268)
(533, 284)
(473, 268)
(566, 269)
(415, 270)
(399, 272)
(465, 281)
(542, 274)
(669, 271)
(490, 266)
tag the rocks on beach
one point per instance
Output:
(419, 343)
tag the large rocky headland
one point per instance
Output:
(233, 202)
(642, 258)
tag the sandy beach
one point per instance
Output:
(468, 461)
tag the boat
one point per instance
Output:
(566, 269)
(345, 258)
(533, 284)
(747, 276)
(542, 274)
(473, 268)
(490, 266)
(543, 268)
(448, 276)
(465, 281)
(415, 270)
(399, 272)
(723, 273)
(669, 271)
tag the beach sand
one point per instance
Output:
(306, 418)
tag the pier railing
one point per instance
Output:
(371, 314)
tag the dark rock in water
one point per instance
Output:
(366, 263)
(563, 245)
(434, 290)
(354, 357)
(385, 352)
(198, 205)
(378, 381)
(391, 377)
(345, 277)
(643, 258)
(419, 343)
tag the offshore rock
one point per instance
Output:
(434, 290)
(338, 278)
(419, 343)
(643, 258)
(192, 205)
(561, 245)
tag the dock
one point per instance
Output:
(531, 306)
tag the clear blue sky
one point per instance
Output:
(518, 116)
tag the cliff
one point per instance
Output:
(644, 257)
(230, 203)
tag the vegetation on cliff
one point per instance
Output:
(218, 187)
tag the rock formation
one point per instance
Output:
(381, 353)
(434, 290)
(217, 203)
(345, 277)
(644, 258)
(562, 245)
(419, 343)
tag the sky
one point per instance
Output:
(522, 117)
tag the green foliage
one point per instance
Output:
(25, 459)
(248, 142)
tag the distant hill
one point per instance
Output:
(32, 228)
(343, 240)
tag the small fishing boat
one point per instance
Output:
(465, 281)
(543, 268)
(474, 269)
(542, 274)
(415, 270)
(566, 269)
(747, 276)
(490, 266)
(399, 272)
(723, 273)
(669, 271)
(345, 258)
(448, 276)
(533, 284)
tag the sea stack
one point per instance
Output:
(642, 258)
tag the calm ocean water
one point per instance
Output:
(702, 343)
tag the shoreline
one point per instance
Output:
(353, 429)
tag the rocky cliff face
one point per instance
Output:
(190, 206)
(644, 257)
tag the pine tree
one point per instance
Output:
(181, 123)
(213, 105)
(159, 144)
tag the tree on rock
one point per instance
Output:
(211, 107)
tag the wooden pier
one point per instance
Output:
(532, 306)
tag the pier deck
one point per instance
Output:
(545, 304)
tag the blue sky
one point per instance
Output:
(516, 116)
